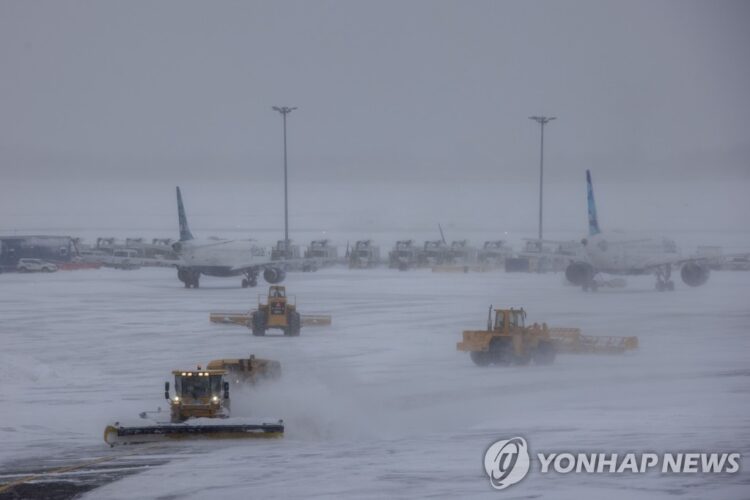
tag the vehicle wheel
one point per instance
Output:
(544, 354)
(46, 270)
(245, 283)
(501, 351)
(258, 323)
(481, 358)
(23, 270)
(295, 324)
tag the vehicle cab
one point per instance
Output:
(509, 319)
(198, 393)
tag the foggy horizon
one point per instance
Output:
(418, 91)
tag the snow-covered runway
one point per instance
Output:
(380, 404)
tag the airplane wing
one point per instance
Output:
(282, 264)
(679, 260)
(256, 265)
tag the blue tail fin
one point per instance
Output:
(185, 233)
(593, 221)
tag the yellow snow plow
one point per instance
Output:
(507, 340)
(248, 370)
(242, 318)
(278, 312)
(199, 408)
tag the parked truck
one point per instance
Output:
(405, 255)
(364, 255)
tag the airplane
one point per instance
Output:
(612, 253)
(222, 258)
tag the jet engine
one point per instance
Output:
(274, 275)
(579, 273)
(694, 274)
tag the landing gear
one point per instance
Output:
(251, 279)
(593, 286)
(189, 277)
(590, 284)
(309, 267)
(663, 281)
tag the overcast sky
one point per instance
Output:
(385, 90)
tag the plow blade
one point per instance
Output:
(570, 340)
(242, 318)
(117, 434)
(316, 319)
(235, 318)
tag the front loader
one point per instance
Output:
(507, 340)
(277, 312)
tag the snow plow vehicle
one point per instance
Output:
(277, 312)
(199, 408)
(364, 255)
(248, 370)
(508, 341)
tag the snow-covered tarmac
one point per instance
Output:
(380, 404)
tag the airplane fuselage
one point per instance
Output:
(612, 254)
(220, 258)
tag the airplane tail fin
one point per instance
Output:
(593, 221)
(185, 233)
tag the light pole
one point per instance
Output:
(284, 110)
(541, 120)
